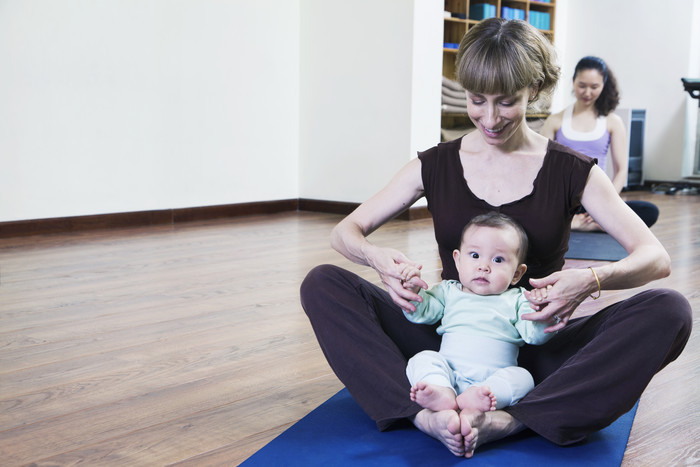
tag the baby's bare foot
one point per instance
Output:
(443, 426)
(433, 397)
(478, 398)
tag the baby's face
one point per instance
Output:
(487, 260)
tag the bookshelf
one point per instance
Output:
(466, 13)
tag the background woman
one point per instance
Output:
(596, 367)
(590, 126)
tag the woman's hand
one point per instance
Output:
(392, 267)
(557, 296)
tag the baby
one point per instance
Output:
(481, 326)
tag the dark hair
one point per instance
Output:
(500, 56)
(609, 96)
(500, 221)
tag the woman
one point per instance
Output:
(590, 127)
(583, 383)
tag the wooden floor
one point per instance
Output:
(188, 345)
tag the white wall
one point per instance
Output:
(370, 92)
(120, 105)
(128, 105)
(648, 45)
(426, 79)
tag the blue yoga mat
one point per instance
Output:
(594, 245)
(339, 433)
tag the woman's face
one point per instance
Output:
(497, 117)
(487, 260)
(588, 84)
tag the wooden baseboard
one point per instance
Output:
(174, 216)
(84, 223)
(688, 181)
(330, 207)
(336, 207)
(205, 213)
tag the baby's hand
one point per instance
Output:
(414, 283)
(410, 278)
(535, 296)
(408, 272)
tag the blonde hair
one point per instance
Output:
(497, 56)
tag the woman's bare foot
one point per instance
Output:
(443, 426)
(479, 428)
(478, 398)
(433, 397)
(585, 223)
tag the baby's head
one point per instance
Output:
(492, 253)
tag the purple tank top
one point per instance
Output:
(593, 143)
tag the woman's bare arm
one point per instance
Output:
(551, 125)
(647, 259)
(349, 237)
(618, 151)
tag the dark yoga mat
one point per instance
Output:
(339, 433)
(594, 245)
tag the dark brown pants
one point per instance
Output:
(587, 376)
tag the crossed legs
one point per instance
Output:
(367, 341)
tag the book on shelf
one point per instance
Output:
(540, 20)
(512, 13)
(481, 11)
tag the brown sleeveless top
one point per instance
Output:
(545, 213)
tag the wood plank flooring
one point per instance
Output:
(187, 345)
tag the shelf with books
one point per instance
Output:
(541, 15)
